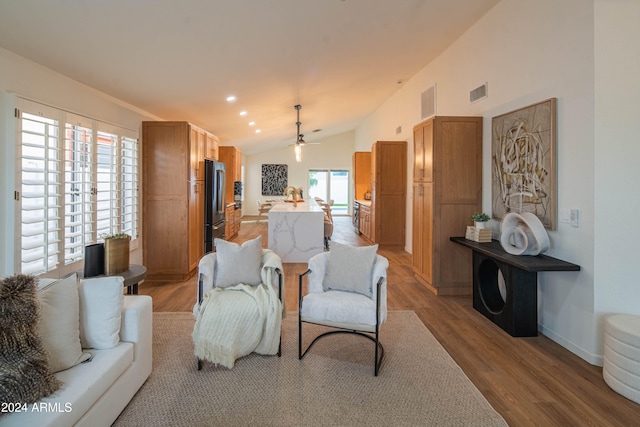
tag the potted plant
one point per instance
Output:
(116, 252)
(480, 219)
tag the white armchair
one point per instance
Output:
(347, 293)
(228, 303)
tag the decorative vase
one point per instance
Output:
(93, 260)
(523, 234)
(116, 256)
(480, 224)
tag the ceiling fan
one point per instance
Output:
(300, 137)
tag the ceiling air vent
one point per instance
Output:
(478, 93)
(428, 103)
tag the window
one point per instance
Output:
(331, 184)
(79, 179)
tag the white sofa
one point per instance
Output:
(95, 393)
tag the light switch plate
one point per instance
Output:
(574, 217)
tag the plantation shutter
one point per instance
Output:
(78, 168)
(129, 186)
(78, 179)
(107, 189)
(41, 215)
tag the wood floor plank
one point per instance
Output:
(529, 381)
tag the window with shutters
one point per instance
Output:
(79, 179)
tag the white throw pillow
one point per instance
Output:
(59, 322)
(349, 269)
(237, 264)
(101, 302)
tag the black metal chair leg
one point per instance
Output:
(199, 364)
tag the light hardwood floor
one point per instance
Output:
(529, 381)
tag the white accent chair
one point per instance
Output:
(208, 267)
(342, 310)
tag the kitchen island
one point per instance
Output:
(296, 233)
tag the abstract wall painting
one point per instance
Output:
(274, 179)
(523, 162)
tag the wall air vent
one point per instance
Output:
(479, 93)
(428, 103)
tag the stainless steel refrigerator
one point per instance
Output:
(214, 202)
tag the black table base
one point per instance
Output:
(505, 287)
(517, 312)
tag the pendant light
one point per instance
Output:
(299, 139)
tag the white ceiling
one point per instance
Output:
(179, 60)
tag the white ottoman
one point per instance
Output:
(621, 367)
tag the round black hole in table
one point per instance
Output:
(488, 286)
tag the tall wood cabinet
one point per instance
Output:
(232, 157)
(361, 174)
(447, 189)
(173, 197)
(388, 192)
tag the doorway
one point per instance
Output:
(331, 184)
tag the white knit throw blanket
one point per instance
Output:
(236, 321)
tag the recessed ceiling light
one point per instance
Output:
(231, 98)
(252, 123)
(243, 113)
(258, 131)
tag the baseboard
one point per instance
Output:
(591, 358)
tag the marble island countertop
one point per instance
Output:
(301, 207)
(296, 233)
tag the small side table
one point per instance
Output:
(134, 275)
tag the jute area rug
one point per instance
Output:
(418, 384)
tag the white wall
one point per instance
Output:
(19, 76)
(334, 152)
(529, 51)
(617, 153)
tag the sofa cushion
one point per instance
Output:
(339, 307)
(59, 323)
(25, 375)
(237, 264)
(349, 269)
(101, 301)
(83, 386)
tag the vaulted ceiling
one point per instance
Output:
(179, 60)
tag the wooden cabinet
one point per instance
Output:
(388, 193)
(230, 218)
(237, 221)
(232, 157)
(364, 226)
(233, 220)
(447, 189)
(173, 197)
(361, 174)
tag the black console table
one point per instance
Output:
(517, 312)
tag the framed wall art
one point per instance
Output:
(523, 162)
(274, 179)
